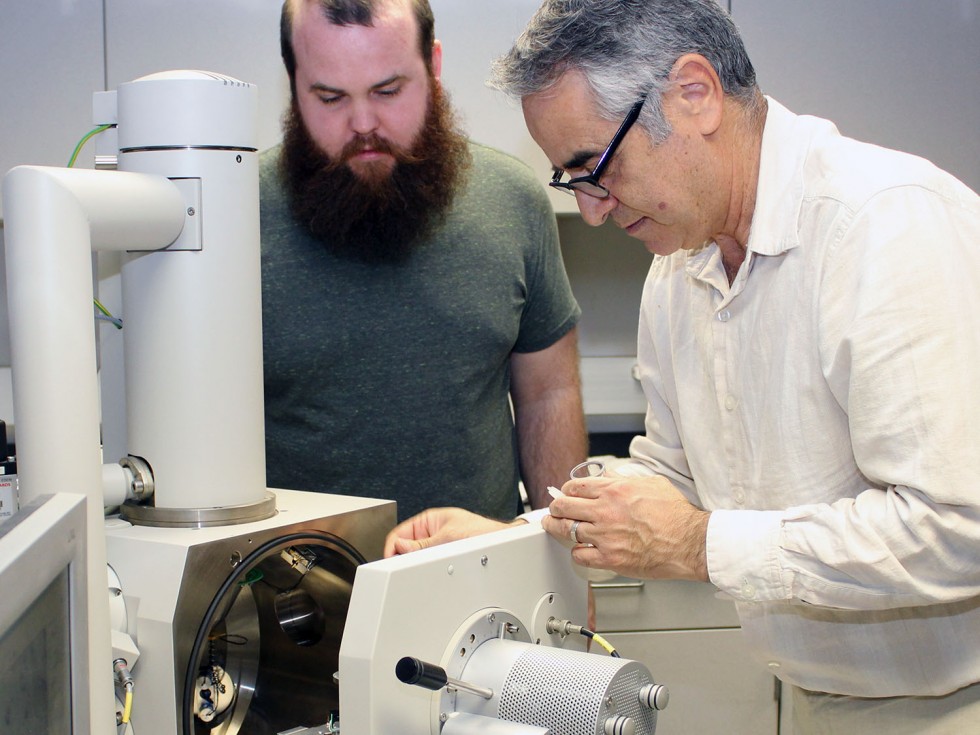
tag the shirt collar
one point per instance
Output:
(779, 195)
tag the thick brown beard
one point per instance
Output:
(377, 217)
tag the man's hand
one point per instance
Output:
(438, 526)
(638, 527)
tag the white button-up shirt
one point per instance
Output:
(826, 407)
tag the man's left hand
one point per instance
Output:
(438, 526)
(640, 527)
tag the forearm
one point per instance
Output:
(547, 395)
(552, 439)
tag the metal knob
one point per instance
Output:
(654, 696)
(619, 725)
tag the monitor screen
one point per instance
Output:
(43, 641)
(36, 674)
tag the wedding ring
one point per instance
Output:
(573, 532)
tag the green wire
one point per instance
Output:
(71, 162)
(116, 321)
(83, 141)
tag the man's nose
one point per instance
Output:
(594, 210)
(364, 119)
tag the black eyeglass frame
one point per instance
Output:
(589, 184)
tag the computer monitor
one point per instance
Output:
(43, 639)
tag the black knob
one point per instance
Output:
(411, 670)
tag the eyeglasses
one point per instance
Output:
(589, 184)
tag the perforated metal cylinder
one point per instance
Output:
(570, 692)
(466, 724)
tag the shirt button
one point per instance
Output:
(739, 496)
(724, 315)
(748, 591)
(731, 402)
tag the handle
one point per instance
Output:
(411, 670)
(633, 584)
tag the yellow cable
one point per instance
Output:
(128, 709)
(603, 642)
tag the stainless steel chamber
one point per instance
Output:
(241, 625)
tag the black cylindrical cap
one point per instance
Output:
(412, 671)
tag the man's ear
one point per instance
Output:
(437, 59)
(698, 92)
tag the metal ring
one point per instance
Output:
(573, 532)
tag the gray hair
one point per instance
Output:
(626, 48)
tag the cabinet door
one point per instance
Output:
(716, 688)
(624, 604)
(687, 634)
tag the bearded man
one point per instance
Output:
(419, 330)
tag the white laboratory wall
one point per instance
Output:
(239, 38)
(473, 34)
(52, 57)
(902, 73)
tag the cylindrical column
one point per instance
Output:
(192, 313)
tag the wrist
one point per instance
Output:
(698, 545)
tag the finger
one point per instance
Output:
(394, 545)
(585, 487)
(551, 525)
(576, 508)
(407, 545)
(561, 529)
(587, 556)
(558, 529)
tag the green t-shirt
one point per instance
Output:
(391, 381)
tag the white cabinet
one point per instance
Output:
(607, 269)
(688, 636)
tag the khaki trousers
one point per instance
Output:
(815, 713)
